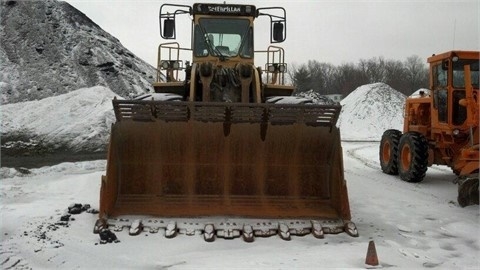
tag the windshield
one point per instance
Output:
(223, 37)
(459, 74)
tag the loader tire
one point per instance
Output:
(389, 151)
(412, 157)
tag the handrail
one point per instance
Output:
(275, 56)
(173, 51)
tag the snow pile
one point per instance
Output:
(316, 97)
(370, 110)
(79, 119)
(65, 167)
(49, 48)
(421, 92)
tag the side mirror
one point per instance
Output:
(278, 22)
(168, 28)
(278, 30)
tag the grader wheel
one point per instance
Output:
(412, 157)
(389, 151)
(468, 190)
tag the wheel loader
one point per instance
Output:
(222, 148)
(440, 126)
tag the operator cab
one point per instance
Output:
(223, 38)
(448, 83)
(221, 30)
(222, 67)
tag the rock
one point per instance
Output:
(92, 211)
(65, 217)
(85, 207)
(75, 209)
(107, 236)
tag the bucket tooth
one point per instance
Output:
(209, 233)
(317, 229)
(171, 230)
(107, 236)
(100, 224)
(247, 233)
(136, 228)
(351, 229)
(284, 231)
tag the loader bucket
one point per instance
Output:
(188, 159)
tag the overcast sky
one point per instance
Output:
(327, 31)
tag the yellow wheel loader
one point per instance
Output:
(222, 148)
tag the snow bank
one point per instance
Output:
(65, 167)
(370, 110)
(79, 118)
(418, 93)
(315, 97)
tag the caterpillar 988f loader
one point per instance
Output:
(225, 151)
(440, 127)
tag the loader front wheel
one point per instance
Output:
(389, 151)
(412, 157)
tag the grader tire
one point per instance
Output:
(412, 157)
(468, 191)
(389, 151)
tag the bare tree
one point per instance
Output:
(373, 69)
(324, 78)
(395, 75)
(348, 78)
(416, 73)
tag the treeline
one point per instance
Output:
(405, 76)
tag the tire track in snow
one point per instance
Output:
(423, 188)
(367, 162)
(375, 164)
(10, 258)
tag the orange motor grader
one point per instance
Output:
(222, 149)
(440, 127)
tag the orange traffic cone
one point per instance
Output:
(371, 259)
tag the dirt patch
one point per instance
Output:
(20, 150)
(37, 161)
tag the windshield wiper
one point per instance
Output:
(210, 47)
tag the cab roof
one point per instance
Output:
(450, 54)
(224, 9)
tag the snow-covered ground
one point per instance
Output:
(414, 226)
(80, 119)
